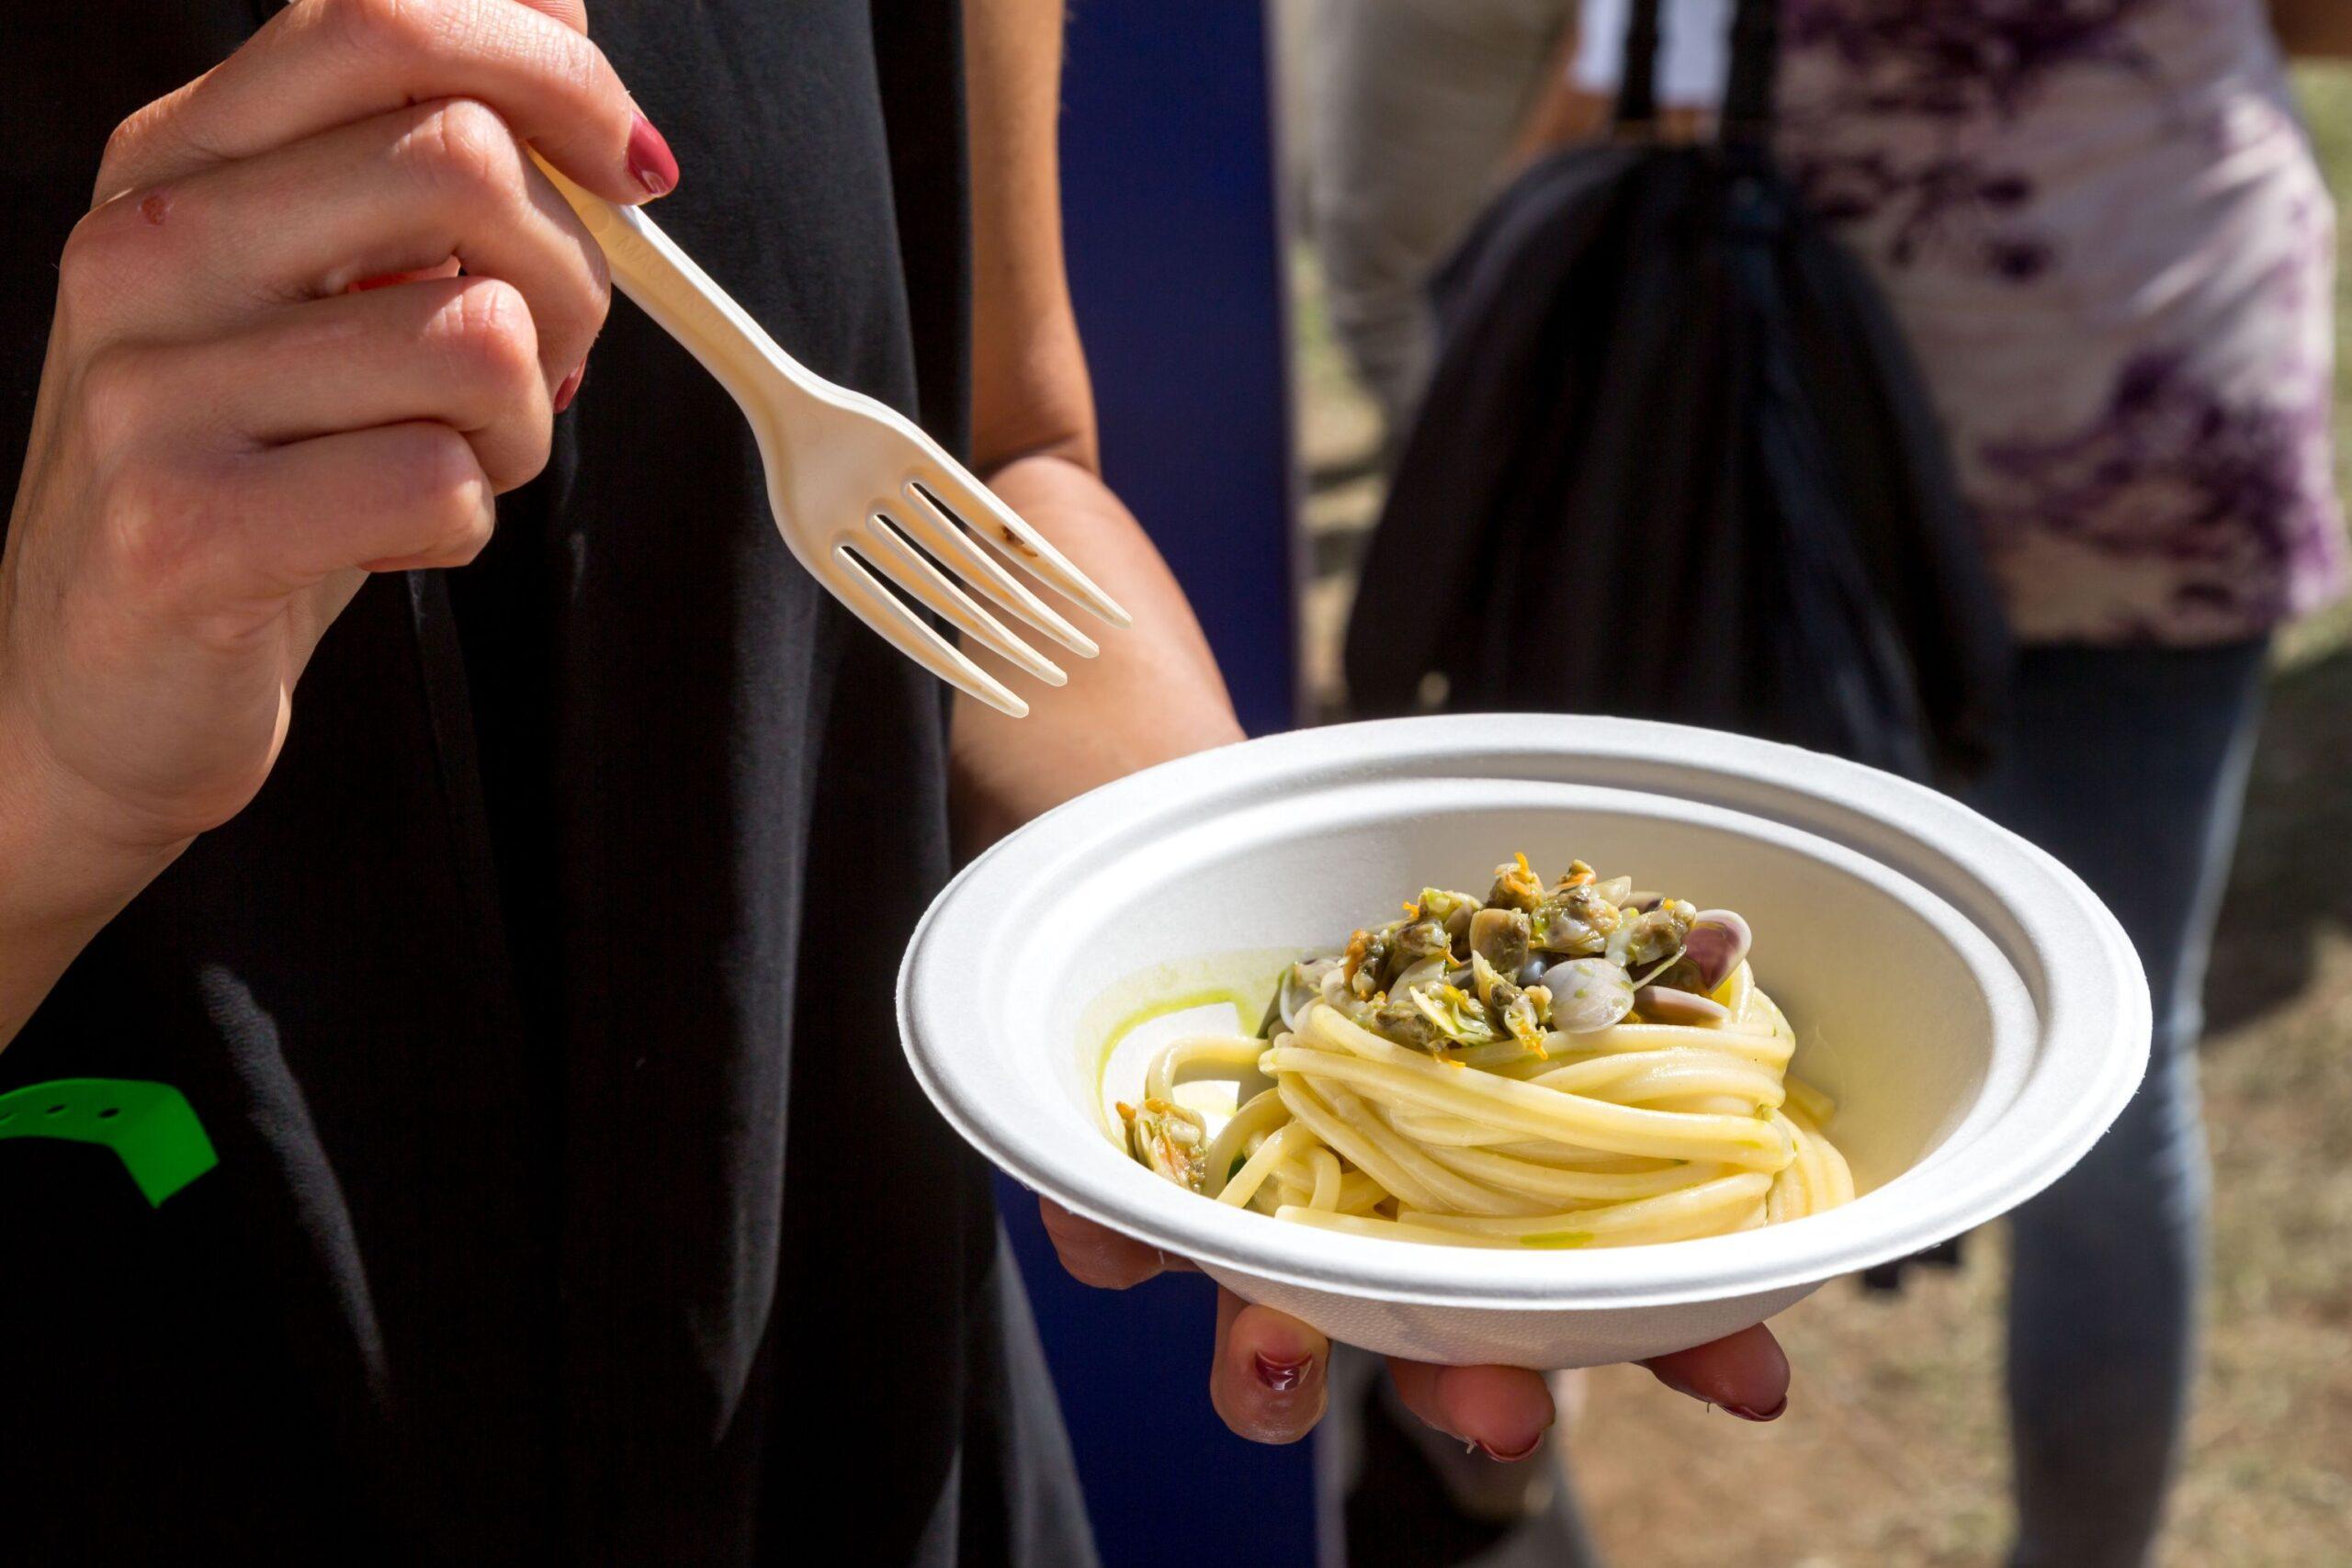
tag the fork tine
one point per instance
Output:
(935, 528)
(967, 497)
(890, 619)
(913, 571)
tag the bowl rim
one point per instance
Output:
(2077, 974)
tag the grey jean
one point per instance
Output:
(2130, 765)
(1414, 105)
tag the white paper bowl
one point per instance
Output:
(1977, 1015)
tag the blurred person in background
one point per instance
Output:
(2103, 232)
(2102, 227)
(1421, 108)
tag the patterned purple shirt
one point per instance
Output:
(2101, 225)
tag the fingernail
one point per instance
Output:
(1747, 1412)
(650, 161)
(1281, 1377)
(570, 387)
(1496, 1454)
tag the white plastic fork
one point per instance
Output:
(863, 497)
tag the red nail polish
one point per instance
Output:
(1498, 1455)
(570, 387)
(1746, 1414)
(650, 161)
(1283, 1376)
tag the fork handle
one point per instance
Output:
(649, 267)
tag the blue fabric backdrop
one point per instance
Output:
(1175, 256)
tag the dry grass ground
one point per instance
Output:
(1893, 1453)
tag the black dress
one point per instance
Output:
(576, 1202)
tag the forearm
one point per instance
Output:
(1153, 693)
(61, 880)
(1559, 112)
(1031, 394)
(2313, 26)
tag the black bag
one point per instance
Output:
(1674, 462)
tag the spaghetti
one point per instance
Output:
(1581, 1066)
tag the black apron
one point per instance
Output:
(576, 1202)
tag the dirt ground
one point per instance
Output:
(1894, 1451)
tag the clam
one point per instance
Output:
(1401, 1024)
(1649, 944)
(1171, 1139)
(1500, 937)
(1576, 923)
(1525, 1016)
(1717, 944)
(1452, 910)
(1453, 1013)
(1516, 885)
(1664, 1004)
(1587, 994)
(1423, 939)
(1485, 979)
(1303, 985)
(1431, 971)
(1367, 958)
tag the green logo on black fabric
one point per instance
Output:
(150, 1125)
